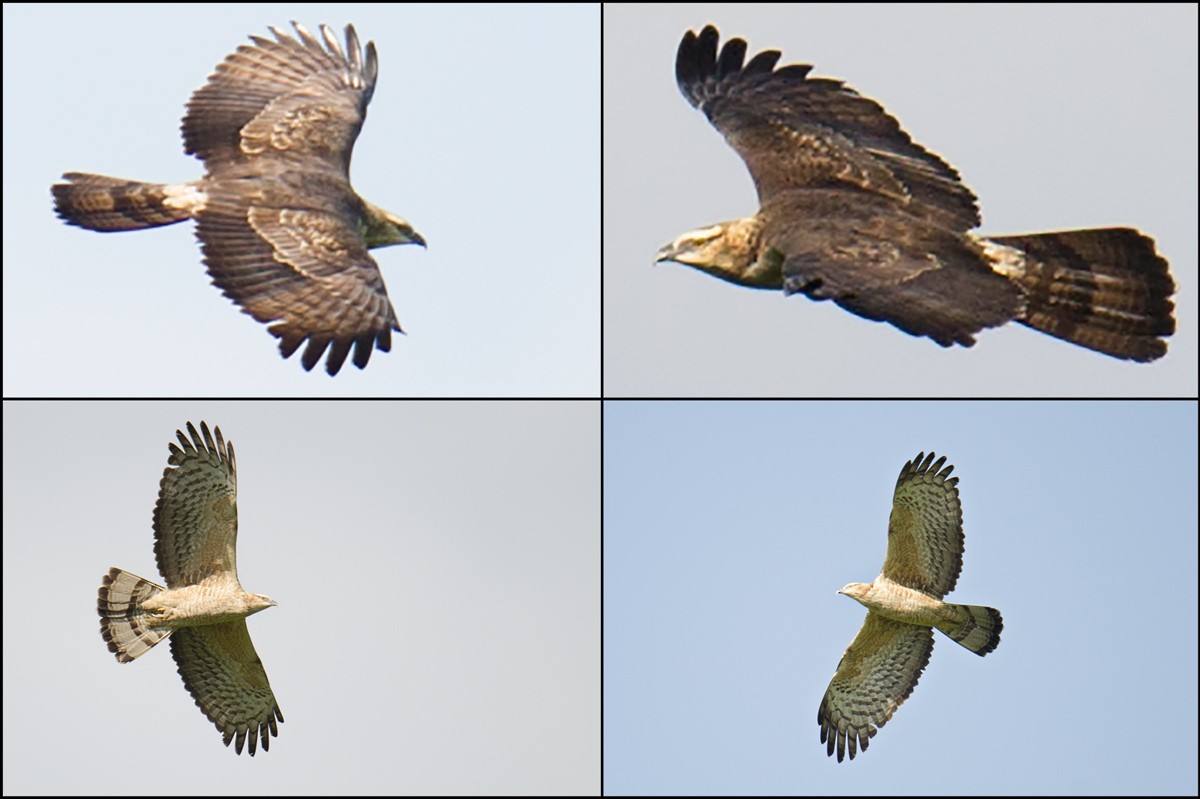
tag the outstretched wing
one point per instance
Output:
(925, 534)
(286, 98)
(797, 132)
(876, 674)
(284, 235)
(195, 519)
(296, 263)
(223, 674)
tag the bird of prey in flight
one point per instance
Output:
(853, 210)
(904, 606)
(203, 607)
(284, 235)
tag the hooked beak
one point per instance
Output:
(666, 253)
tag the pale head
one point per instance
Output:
(856, 591)
(708, 249)
(257, 602)
(728, 250)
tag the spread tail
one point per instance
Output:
(122, 621)
(977, 628)
(106, 204)
(1106, 289)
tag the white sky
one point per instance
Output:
(730, 526)
(1057, 117)
(437, 569)
(483, 132)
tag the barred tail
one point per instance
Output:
(106, 204)
(1106, 289)
(122, 622)
(978, 628)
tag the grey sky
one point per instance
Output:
(483, 132)
(437, 573)
(730, 526)
(1057, 117)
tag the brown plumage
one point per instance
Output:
(284, 234)
(853, 210)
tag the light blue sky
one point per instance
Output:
(730, 526)
(483, 132)
(1057, 116)
(437, 569)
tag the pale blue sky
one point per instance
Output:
(1057, 116)
(484, 132)
(730, 526)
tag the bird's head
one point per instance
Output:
(856, 591)
(381, 229)
(704, 248)
(728, 250)
(259, 602)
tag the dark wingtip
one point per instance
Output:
(733, 54)
(697, 57)
(338, 350)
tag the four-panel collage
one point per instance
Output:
(600, 399)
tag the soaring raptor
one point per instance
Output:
(904, 604)
(203, 609)
(284, 235)
(853, 210)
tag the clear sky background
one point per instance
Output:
(437, 569)
(1057, 116)
(729, 528)
(484, 132)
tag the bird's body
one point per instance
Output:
(880, 668)
(284, 234)
(851, 209)
(203, 607)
